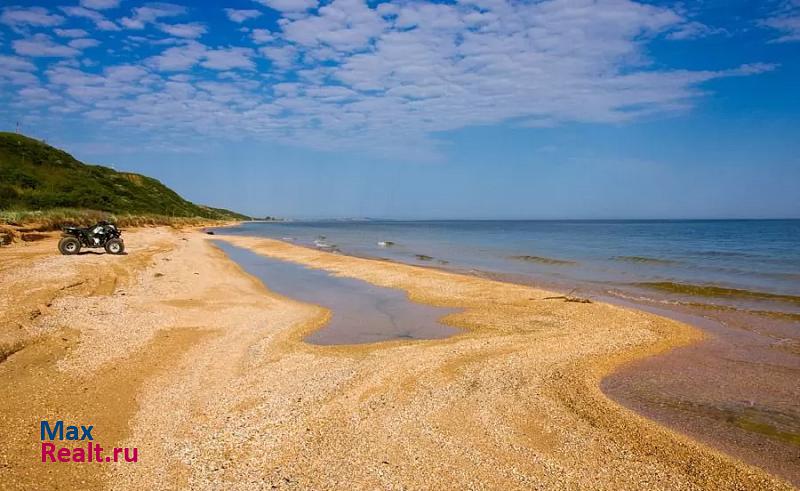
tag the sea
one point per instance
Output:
(745, 264)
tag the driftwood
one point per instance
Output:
(569, 298)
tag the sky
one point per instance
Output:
(412, 109)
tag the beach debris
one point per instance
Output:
(210, 232)
(569, 298)
(385, 243)
(6, 236)
(33, 237)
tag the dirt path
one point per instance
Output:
(204, 371)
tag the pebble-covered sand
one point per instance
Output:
(174, 350)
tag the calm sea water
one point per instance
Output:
(757, 256)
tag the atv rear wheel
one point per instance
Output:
(115, 246)
(69, 246)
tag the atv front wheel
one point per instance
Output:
(69, 246)
(115, 246)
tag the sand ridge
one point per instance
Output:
(224, 394)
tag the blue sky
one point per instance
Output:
(410, 109)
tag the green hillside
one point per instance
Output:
(36, 176)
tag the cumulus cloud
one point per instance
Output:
(391, 75)
(17, 71)
(228, 59)
(16, 64)
(100, 4)
(262, 36)
(71, 33)
(150, 13)
(30, 16)
(282, 56)
(289, 5)
(239, 16)
(178, 58)
(190, 54)
(343, 25)
(99, 20)
(191, 30)
(83, 43)
(41, 45)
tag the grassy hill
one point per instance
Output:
(36, 176)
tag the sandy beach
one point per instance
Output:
(174, 350)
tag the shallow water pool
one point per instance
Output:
(361, 311)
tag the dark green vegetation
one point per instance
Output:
(544, 260)
(36, 176)
(643, 260)
(716, 291)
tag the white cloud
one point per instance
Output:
(100, 4)
(787, 21)
(389, 76)
(262, 36)
(38, 96)
(228, 59)
(282, 56)
(178, 58)
(41, 45)
(71, 33)
(16, 64)
(107, 91)
(191, 30)
(150, 13)
(694, 30)
(239, 16)
(17, 71)
(192, 53)
(84, 43)
(343, 25)
(31, 16)
(289, 5)
(99, 20)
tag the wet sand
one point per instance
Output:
(219, 390)
(737, 390)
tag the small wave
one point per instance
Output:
(725, 254)
(716, 291)
(544, 260)
(644, 260)
(775, 314)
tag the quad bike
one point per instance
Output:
(103, 234)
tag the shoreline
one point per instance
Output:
(731, 429)
(663, 347)
(514, 402)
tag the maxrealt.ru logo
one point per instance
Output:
(91, 452)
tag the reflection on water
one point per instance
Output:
(361, 312)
